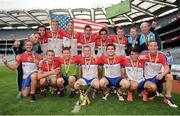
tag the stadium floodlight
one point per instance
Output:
(118, 9)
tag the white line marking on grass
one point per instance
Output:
(76, 108)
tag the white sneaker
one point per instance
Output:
(139, 95)
(170, 103)
(120, 97)
(19, 96)
(105, 96)
(115, 91)
(159, 94)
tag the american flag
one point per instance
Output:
(79, 24)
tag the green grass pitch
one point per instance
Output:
(54, 105)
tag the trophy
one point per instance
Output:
(83, 98)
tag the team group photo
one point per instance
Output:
(77, 66)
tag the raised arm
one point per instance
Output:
(13, 66)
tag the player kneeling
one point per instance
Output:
(154, 74)
(48, 73)
(135, 72)
(30, 61)
(113, 73)
(69, 71)
(89, 72)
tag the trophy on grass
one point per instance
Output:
(83, 98)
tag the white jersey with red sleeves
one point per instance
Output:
(89, 68)
(44, 44)
(101, 45)
(91, 45)
(134, 70)
(28, 64)
(70, 40)
(55, 41)
(121, 45)
(84, 40)
(154, 64)
(112, 66)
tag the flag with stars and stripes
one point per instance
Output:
(62, 20)
(79, 24)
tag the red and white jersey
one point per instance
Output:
(44, 44)
(91, 41)
(112, 66)
(101, 45)
(71, 40)
(43, 40)
(89, 68)
(154, 64)
(134, 70)
(74, 59)
(83, 40)
(121, 45)
(99, 42)
(58, 34)
(55, 41)
(67, 39)
(46, 66)
(91, 45)
(28, 62)
(74, 35)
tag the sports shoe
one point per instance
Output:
(152, 98)
(54, 91)
(159, 94)
(113, 90)
(124, 93)
(105, 96)
(43, 92)
(139, 95)
(130, 96)
(120, 97)
(19, 96)
(144, 96)
(33, 98)
(168, 100)
(62, 92)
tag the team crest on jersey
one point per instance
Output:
(23, 59)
